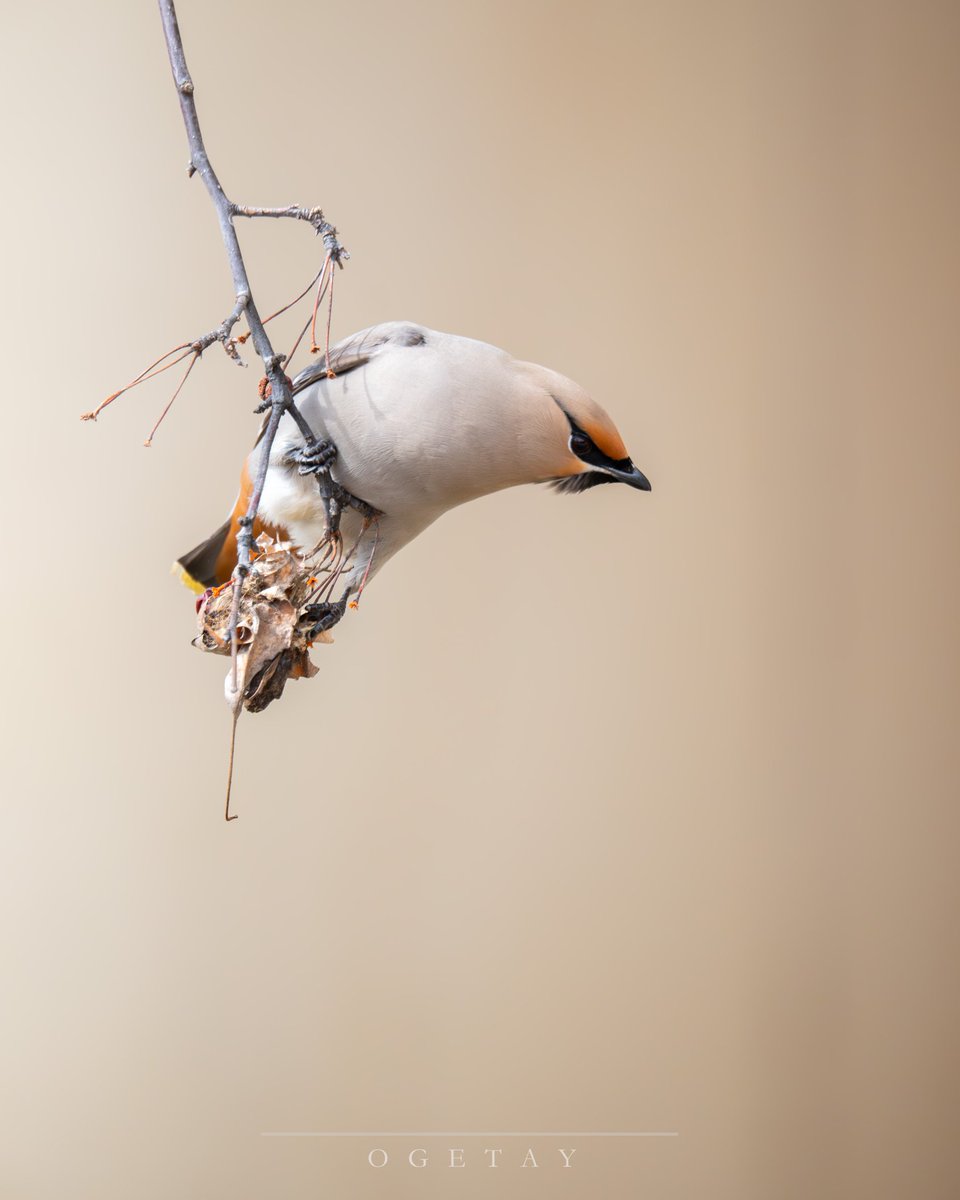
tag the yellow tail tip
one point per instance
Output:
(187, 579)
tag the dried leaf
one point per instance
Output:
(271, 637)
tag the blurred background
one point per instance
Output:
(609, 813)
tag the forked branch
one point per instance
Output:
(275, 390)
(278, 387)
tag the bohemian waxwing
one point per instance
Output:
(421, 422)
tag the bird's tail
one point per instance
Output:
(200, 567)
(211, 563)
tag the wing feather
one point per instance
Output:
(359, 349)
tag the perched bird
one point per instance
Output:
(412, 423)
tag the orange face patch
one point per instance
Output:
(604, 435)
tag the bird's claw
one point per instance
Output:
(315, 458)
(322, 616)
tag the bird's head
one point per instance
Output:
(593, 451)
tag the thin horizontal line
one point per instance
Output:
(497, 1134)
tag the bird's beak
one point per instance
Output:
(631, 475)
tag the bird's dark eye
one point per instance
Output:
(580, 444)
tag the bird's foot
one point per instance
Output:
(323, 616)
(315, 458)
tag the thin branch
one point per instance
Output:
(287, 307)
(233, 746)
(321, 288)
(278, 384)
(326, 350)
(186, 376)
(245, 538)
(149, 373)
(300, 337)
(314, 216)
(376, 542)
(221, 334)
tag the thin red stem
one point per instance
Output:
(333, 276)
(186, 376)
(149, 373)
(321, 288)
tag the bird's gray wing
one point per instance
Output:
(353, 352)
(358, 349)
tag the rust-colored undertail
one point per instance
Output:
(211, 563)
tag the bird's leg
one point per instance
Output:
(322, 616)
(315, 460)
(367, 511)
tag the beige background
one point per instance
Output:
(617, 812)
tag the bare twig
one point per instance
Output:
(329, 323)
(233, 747)
(314, 216)
(186, 376)
(278, 387)
(287, 307)
(363, 582)
(149, 373)
(221, 334)
(321, 288)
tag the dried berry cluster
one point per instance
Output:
(273, 633)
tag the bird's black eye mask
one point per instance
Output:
(584, 447)
(609, 470)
